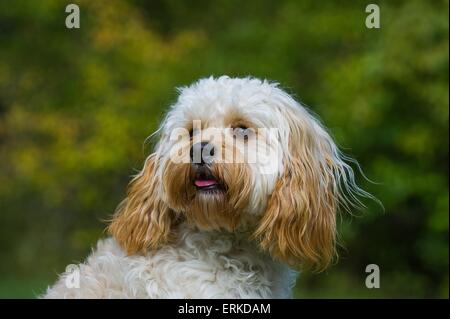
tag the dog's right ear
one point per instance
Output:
(142, 221)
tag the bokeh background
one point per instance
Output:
(76, 106)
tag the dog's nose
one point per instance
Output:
(202, 153)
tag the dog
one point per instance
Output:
(220, 225)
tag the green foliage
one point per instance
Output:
(77, 105)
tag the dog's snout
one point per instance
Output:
(202, 153)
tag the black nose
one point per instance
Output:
(202, 153)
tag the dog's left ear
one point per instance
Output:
(143, 220)
(299, 225)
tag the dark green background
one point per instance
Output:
(77, 105)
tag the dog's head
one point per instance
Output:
(240, 154)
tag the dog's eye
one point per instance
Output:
(242, 132)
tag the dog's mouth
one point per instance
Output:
(205, 181)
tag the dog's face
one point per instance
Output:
(220, 157)
(240, 154)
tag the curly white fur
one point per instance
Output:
(199, 265)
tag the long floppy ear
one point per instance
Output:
(299, 225)
(142, 221)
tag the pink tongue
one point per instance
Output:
(204, 182)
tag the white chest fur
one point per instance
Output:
(199, 265)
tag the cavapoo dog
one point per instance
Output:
(242, 190)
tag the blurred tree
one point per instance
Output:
(76, 107)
